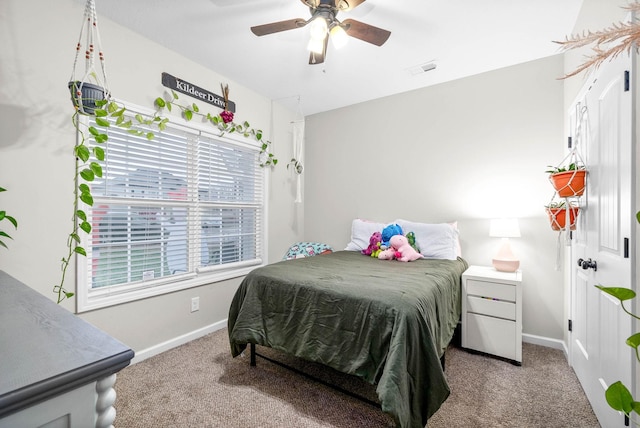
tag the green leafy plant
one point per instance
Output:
(571, 167)
(10, 219)
(557, 204)
(89, 151)
(296, 165)
(561, 205)
(224, 123)
(617, 394)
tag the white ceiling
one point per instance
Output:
(462, 37)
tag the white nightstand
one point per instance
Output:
(492, 312)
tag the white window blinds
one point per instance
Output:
(185, 204)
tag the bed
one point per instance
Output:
(387, 322)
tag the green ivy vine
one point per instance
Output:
(223, 123)
(89, 152)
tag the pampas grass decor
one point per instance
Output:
(624, 35)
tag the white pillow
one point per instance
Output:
(436, 241)
(454, 226)
(361, 231)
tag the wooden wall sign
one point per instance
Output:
(196, 92)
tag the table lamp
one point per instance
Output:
(505, 228)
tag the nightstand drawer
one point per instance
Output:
(494, 308)
(492, 335)
(491, 289)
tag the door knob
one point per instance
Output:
(588, 264)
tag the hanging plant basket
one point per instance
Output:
(90, 86)
(558, 217)
(84, 96)
(569, 183)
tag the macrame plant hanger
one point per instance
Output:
(569, 186)
(298, 146)
(92, 85)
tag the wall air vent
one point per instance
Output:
(422, 68)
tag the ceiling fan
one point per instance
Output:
(324, 25)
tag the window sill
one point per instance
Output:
(97, 299)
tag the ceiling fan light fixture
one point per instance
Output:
(323, 26)
(316, 46)
(339, 37)
(318, 28)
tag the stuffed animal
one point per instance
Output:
(411, 237)
(400, 244)
(388, 232)
(388, 254)
(374, 245)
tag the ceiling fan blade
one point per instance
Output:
(366, 32)
(347, 5)
(315, 58)
(276, 27)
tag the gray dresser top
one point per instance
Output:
(46, 350)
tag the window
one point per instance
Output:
(181, 210)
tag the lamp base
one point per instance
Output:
(506, 265)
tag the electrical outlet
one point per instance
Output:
(195, 304)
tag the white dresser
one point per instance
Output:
(56, 370)
(492, 312)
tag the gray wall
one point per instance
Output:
(468, 150)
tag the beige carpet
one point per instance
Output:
(200, 385)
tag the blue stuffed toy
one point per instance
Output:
(388, 232)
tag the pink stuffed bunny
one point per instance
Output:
(400, 244)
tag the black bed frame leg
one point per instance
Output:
(442, 362)
(253, 353)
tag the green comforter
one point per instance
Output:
(388, 322)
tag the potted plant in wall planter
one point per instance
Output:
(557, 212)
(568, 180)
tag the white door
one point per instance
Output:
(601, 127)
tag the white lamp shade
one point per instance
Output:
(339, 37)
(318, 28)
(504, 228)
(316, 46)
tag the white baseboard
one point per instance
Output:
(546, 341)
(181, 340)
(177, 341)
